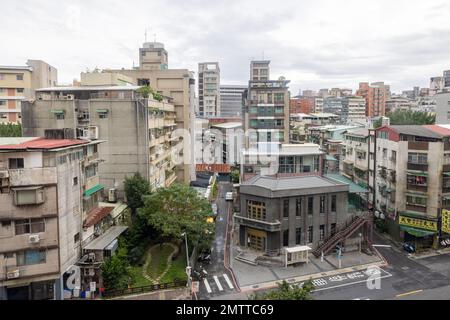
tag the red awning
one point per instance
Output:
(96, 215)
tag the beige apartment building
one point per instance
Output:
(139, 131)
(18, 83)
(47, 188)
(209, 89)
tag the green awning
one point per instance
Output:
(417, 232)
(57, 111)
(417, 173)
(447, 174)
(102, 110)
(354, 188)
(412, 214)
(93, 190)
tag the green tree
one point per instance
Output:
(235, 176)
(136, 188)
(146, 91)
(408, 117)
(178, 209)
(10, 130)
(286, 292)
(115, 271)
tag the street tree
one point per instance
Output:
(115, 271)
(136, 187)
(408, 117)
(178, 209)
(287, 292)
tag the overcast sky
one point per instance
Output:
(315, 44)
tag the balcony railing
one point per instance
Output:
(417, 166)
(417, 208)
(418, 145)
(266, 114)
(416, 187)
(258, 224)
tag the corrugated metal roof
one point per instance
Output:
(96, 215)
(91, 88)
(439, 129)
(42, 143)
(415, 130)
(105, 239)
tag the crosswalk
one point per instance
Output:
(217, 284)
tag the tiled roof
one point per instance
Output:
(217, 168)
(42, 143)
(96, 215)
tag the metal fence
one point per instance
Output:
(150, 288)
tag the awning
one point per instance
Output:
(417, 232)
(447, 174)
(354, 188)
(93, 190)
(102, 110)
(57, 111)
(106, 239)
(297, 249)
(417, 173)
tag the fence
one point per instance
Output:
(150, 288)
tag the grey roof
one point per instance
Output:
(290, 183)
(105, 239)
(416, 130)
(359, 132)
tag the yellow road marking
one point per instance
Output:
(408, 293)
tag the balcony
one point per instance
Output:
(418, 145)
(267, 126)
(416, 187)
(417, 166)
(266, 114)
(258, 224)
(416, 208)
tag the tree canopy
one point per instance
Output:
(10, 130)
(135, 188)
(147, 90)
(178, 209)
(115, 271)
(287, 292)
(408, 117)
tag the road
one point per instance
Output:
(409, 279)
(219, 281)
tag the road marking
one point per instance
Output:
(216, 279)
(355, 282)
(208, 288)
(228, 281)
(408, 293)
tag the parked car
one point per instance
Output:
(408, 247)
(229, 196)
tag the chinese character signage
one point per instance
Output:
(418, 223)
(445, 221)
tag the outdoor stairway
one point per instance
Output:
(349, 228)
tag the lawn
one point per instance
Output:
(178, 269)
(138, 278)
(158, 263)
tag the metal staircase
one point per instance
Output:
(345, 232)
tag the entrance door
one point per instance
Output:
(257, 240)
(18, 293)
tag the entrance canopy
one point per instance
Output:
(296, 254)
(417, 232)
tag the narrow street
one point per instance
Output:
(219, 281)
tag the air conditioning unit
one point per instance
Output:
(13, 274)
(90, 133)
(4, 174)
(34, 239)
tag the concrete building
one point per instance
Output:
(302, 104)
(266, 116)
(333, 105)
(437, 84)
(376, 95)
(412, 185)
(18, 84)
(48, 187)
(353, 108)
(231, 101)
(300, 122)
(446, 79)
(228, 141)
(442, 107)
(398, 103)
(153, 56)
(138, 130)
(97, 78)
(209, 89)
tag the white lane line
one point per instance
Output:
(228, 281)
(216, 279)
(208, 288)
(351, 283)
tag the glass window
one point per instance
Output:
(310, 234)
(16, 163)
(310, 205)
(286, 209)
(286, 238)
(298, 236)
(27, 226)
(298, 207)
(322, 232)
(322, 204)
(256, 210)
(19, 77)
(30, 257)
(333, 203)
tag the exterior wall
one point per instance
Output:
(105, 79)
(442, 108)
(231, 100)
(209, 89)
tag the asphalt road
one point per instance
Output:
(410, 279)
(219, 281)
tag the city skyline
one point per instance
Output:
(301, 40)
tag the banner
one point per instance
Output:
(445, 221)
(418, 223)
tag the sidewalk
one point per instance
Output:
(177, 294)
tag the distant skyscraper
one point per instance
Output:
(231, 102)
(209, 89)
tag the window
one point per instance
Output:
(6, 223)
(310, 234)
(322, 232)
(16, 163)
(322, 204)
(76, 238)
(60, 116)
(286, 209)
(310, 205)
(75, 181)
(417, 180)
(19, 77)
(27, 226)
(393, 156)
(333, 228)
(333, 203)
(298, 207)
(2, 102)
(285, 238)
(27, 196)
(385, 152)
(416, 201)
(30, 257)
(20, 90)
(298, 236)
(256, 210)
(419, 158)
(103, 115)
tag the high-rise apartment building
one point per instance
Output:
(231, 102)
(209, 89)
(18, 84)
(353, 108)
(266, 117)
(376, 95)
(447, 79)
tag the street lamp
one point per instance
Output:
(188, 267)
(360, 257)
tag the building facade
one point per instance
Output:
(376, 95)
(18, 84)
(209, 89)
(153, 56)
(442, 107)
(353, 108)
(231, 100)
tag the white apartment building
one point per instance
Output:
(209, 89)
